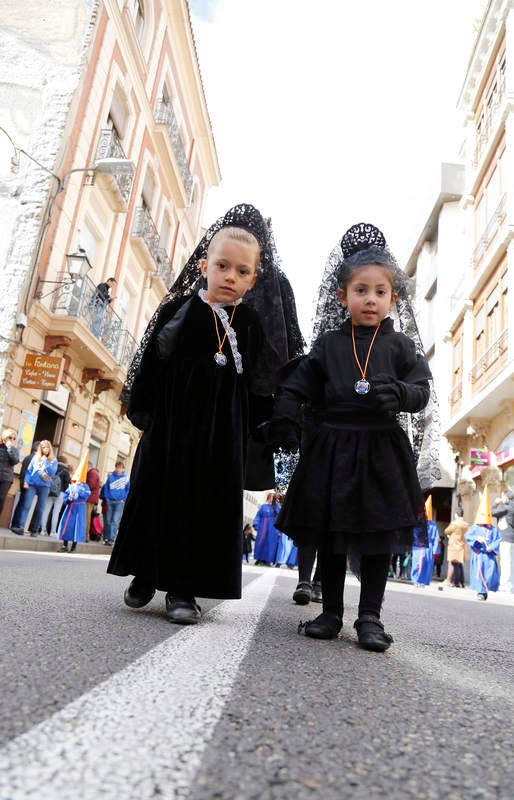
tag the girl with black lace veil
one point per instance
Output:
(356, 489)
(200, 384)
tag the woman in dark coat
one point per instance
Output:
(9, 456)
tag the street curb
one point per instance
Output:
(44, 544)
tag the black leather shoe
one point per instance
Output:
(138, 594)
(18, 531)
(302, 593)
(182, 612)
(325, 626)
(317, 597)
(371, 634)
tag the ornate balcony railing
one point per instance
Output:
(109, 146)
(144, 228)
(456, 393)
(80, 299)
(165, 115)
(489, 357)
(489, 122)
(491, 230)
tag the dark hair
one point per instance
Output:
(509, 493)
(365, 257)
(459, 512)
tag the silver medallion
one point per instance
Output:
(221, 360)
(362, 387)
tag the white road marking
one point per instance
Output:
(141, 733)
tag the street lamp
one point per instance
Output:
(78, 265)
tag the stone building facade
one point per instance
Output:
(106, 153)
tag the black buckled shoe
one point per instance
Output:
(182, 612)
(317, 596)
(325, 626)
(371, 634)
(138, 594)
(303, 593)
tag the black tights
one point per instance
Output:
(373, 576)
(306, 558)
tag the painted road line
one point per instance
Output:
(141, 733)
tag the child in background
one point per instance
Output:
(203, 378)
(355, 488)
(483, 539)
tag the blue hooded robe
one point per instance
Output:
(266, 542)
(423, 557)
(484, 575)
(72, 527)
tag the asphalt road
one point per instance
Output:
(99, 701)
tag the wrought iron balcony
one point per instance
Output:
(80, 299)
(490, 356)
(456, 393)
(165, 115)
(490, 232)
(109, 146)
(144, 228)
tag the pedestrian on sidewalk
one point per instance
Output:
(115, 493)
(455, 532)
(18, 500)
(356, 487)
(248, 539)
(503, 510)
(37, 484)
(201, 380)
(483, 540)
(93, 481)
(9, 456)
(55, 500)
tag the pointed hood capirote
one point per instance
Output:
(80, 474)
(483, 515)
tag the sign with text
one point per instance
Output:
(41, 372)
(479, 457)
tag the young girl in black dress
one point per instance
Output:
(355, 488)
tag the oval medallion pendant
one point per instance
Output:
(362, 387)
(220, 359)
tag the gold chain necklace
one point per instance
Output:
(362, 386)
(220, 357)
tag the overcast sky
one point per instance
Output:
(333, 112)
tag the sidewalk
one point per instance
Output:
(10, 541)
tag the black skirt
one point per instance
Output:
(355, 487)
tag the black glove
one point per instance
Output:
(282, 433)
(389, 395)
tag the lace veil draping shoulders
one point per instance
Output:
(423, 427)
(271, 297)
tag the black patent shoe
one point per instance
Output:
(302, 594)
(138, 594)
(325, 626)
(182, 612)
(371, 634)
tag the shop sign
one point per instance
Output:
(41, 372)
(479, 457)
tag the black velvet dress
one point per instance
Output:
(182, 522)
(356, 480)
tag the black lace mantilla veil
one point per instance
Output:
(423, 427)
(271, 296)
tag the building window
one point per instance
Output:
(137, 12)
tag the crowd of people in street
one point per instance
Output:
(48, 480)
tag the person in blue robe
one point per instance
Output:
(422, 556)
(72, 527)
(267, 539)
(484, 543)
